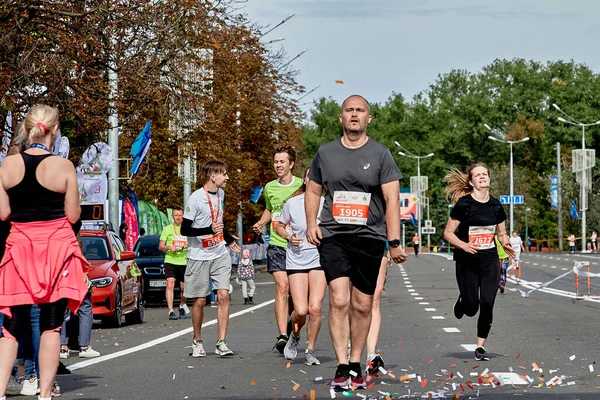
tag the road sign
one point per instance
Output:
(425, 230)
(518, 199)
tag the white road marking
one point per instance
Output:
(544, 265)
(411, 290)
(152, 343)
(553, 266)
(430, 309)
(438, 317)
(414, 294)
(564, 269)
(424, 303)
(469, 347)
(409, 286)
(419, 298)
(451, 330)
(535, 264)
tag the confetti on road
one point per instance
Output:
(173, 376)
(572, 357)
(288, 365)
(591, 368)
(296, 386)
(400, 342)
(518, 355)
(253, 382)
(339, 82)
(312, 394)
(318, 378)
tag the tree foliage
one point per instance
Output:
(196, 68)
(514, 97)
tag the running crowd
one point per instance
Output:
(338, 226)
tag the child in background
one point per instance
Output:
(246, 276)
(572, 243)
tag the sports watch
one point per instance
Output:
(394, 243)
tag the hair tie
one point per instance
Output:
(41, 125)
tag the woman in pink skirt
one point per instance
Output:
(43, 263)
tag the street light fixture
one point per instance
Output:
(286, 19)
(509, 142)
(419, 197)
(297, 56)
(275, 40)
(582, 187)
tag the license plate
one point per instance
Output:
(161, 283)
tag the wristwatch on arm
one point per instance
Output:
(394, 243)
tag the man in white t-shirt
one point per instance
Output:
(208, 258)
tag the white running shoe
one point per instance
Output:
(30, 387)
(222, 349)
(198, 349)
(291, 347)
(88, 353)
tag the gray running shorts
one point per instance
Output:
(198, 273)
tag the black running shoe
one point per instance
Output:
(458, 312)
(480, 354)
(281, 342)
(342, 378)
(356, 378)
(374, 362)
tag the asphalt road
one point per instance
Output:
(428, 352)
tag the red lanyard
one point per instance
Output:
(212, 213)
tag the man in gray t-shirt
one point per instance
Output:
(362, 209)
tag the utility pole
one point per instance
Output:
(560, 229)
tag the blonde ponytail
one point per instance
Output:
(459, 182)
(458, 185)
(40, 120)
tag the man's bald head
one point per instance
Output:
(357, 96)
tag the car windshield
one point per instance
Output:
(148, 247)
(95, 248)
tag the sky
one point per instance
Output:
(381, 47)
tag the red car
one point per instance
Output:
(116, 279)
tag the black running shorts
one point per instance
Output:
(357, 258)
(175, 271)
(275, 259)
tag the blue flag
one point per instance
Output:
(413, 219)
(574, 213)
(139, 148)
(256, 192)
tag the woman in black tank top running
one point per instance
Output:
(42, 263)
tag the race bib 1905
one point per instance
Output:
(482, 236)
(351, 207)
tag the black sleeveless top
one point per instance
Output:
(29, 200)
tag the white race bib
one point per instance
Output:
(351, 207)
(482, 236)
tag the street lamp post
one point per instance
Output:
(583, 184)
(419, 191)
(509, 142)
